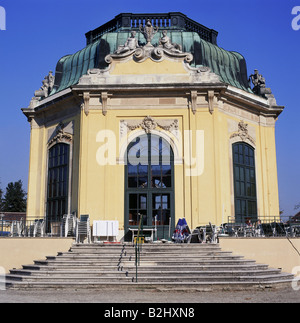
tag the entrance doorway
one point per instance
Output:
(149, 185)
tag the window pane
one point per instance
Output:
(143, 170)
(156, 170)
(167, 181)
(166, 169)
(142, 182)
(132, 170)
(132, 181)
(143, 202)
(133, 201)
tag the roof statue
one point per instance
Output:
(166, 43)
(45, 90)
(260, 88)
(47, 86)
(131, 44)
(258, 81)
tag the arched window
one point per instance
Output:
(149, 184)
(244, 182)
(58, 180)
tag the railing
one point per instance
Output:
(138, 248)
(36, 227)
(264, 226)
(172, 20)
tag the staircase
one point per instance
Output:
(162, 267)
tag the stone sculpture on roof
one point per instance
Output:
(45, 90)
(140, 53)
(148, 31)
(166, 43)
(260, 88)
(131, 44)
(47, 86)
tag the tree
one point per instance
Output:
(15, 198)
(1, 200)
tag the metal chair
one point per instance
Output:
(39, 228)
(83, 229)
(15, 229)
(68, 225)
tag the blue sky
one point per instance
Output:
(39, 33)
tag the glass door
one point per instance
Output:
(149, 185)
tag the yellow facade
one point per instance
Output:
(203, 176)
(158, 93)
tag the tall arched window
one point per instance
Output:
(149, 184)
(244, 182)
(58, 180)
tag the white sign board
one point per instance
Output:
(105, 228)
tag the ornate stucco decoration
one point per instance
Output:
(165, 49)
(243, 132)
(60, 135)
(148, 124)
(133, 51)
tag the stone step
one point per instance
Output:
(144, 251)
(153, 268)
(167, 249)
(149, 257)
(146, 264)
(162, 279)
(150, 286)
(146, 245)
(162, 266)
(96, 273)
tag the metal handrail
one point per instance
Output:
(138, 248)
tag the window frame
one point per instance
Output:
(65, 185)
(244, 182)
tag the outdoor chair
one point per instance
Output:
(68, 225)
(39, 228)
(16, 229)
(83, 229)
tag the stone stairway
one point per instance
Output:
(162, 266)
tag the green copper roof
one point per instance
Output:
(230, 66)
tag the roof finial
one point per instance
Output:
(148, 31)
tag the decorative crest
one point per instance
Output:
(61, 135)
(243, 132)
(165, 49)
(148, 124)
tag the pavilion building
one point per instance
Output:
(153, 119)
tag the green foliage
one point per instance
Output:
(15, 198)
(1, 200)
